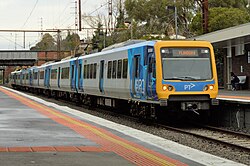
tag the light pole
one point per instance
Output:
(175, 18)
(130, 22)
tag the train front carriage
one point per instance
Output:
(186, 75)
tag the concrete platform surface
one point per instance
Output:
(37, 132)
(242, 96)
(62, 159)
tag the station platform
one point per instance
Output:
(242, 96)
(37, 132)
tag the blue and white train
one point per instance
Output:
(144, 77)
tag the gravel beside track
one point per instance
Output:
(191, 141)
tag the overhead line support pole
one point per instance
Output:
(80, 17)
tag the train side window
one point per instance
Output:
(114, 69)
(85, 71)
(73, 71)
(35, 75)
(41, 74)
(88, 71)
(91, 71)
(80, 71)
(109, 69)
(94, 74)
(125, 68)
(119, 69)
(59, 72)
(53, 73)
(65, 73)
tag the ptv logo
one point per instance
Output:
(188, 86)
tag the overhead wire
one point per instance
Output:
(92, 12)
(98, 8)
(12, 41)
(30, 14)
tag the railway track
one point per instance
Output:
(219, 135)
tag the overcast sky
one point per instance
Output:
(41, 14)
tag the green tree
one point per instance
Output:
(151, 14)
(71, 42)
(120, 19)
(99, 38)
(228, 3)
(158, 20)
(46, 44)
(220, 18)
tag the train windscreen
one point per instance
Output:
(186, 64)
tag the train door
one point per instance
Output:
(47, 77)
(101, 76)
(31, 77)
(73, 78)
(59, 77)
(38, 78)
(151, 74)
(14, 78)
(21, 77)
(80, 75)
(137, 81)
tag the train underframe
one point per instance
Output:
(139, 109)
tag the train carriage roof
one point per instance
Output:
(121, 48)
(115, 48)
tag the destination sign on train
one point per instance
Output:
(185, 52)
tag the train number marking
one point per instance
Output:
(139, 86)
(189, 86)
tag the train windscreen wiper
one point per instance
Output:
(183, 78)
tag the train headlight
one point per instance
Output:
(164, 87)
(205, 88)
(208, 87)
(211, 87)
(170, 88)
(167, 87)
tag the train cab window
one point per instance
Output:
(94, 74)
(114, 69)
(119, 69)
(65, 73)
(109, 69)
(41, 74)
(125, 68)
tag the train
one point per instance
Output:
(143, 77)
